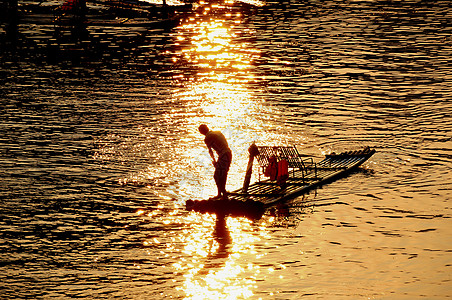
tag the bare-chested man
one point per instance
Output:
(215, 140)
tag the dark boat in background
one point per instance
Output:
(76, 31)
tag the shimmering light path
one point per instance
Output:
(98, 156)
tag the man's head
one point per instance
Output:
(203, 129)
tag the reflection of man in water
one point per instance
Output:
(222, 236)
(215, 140)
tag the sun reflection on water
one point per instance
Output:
(211, 47)
(217, 255)
(217, 97)
(213, 266)
(217, 52)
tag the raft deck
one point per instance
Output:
(303, 177)
(302, 180)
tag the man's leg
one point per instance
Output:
(217, 177)
(220, 177)
(224, 165)
(221, 173)
(222, 187)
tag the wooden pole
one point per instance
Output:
(165, 10)
(79, 21)
(12, 16)
(253, 151)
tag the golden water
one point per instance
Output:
(97, 163)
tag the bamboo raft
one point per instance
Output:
(303, 175)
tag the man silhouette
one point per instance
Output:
(215, 140)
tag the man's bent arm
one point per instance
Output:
(211, 154)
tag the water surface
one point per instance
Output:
(98, 157)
